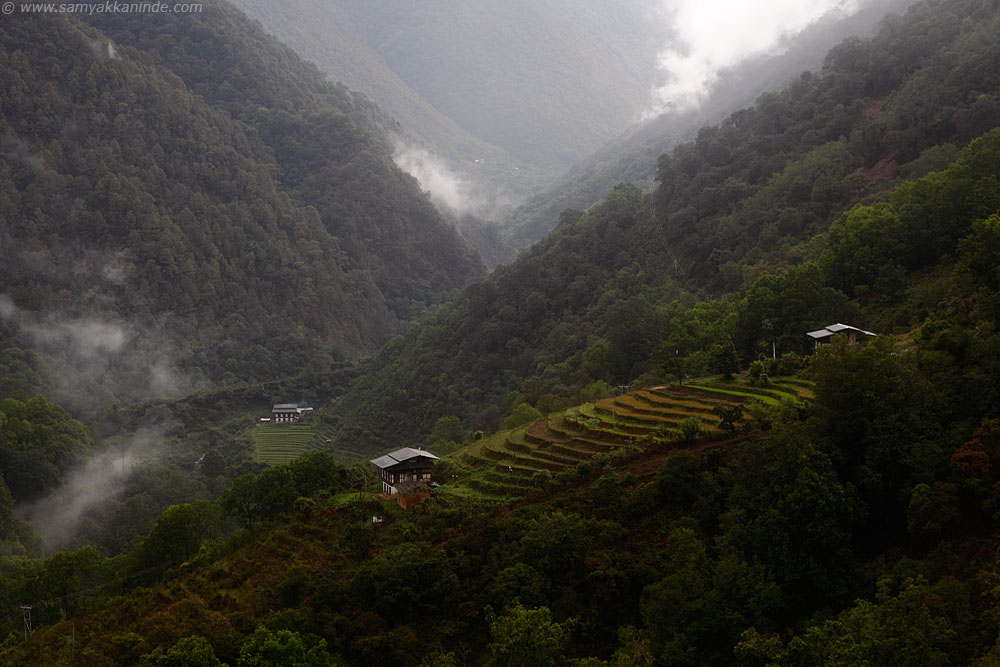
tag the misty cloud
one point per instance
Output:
(57, 517)
(451, 193)
(446, 188)
(708, 36)
(7, 307)
(92, 359)
(85, 338)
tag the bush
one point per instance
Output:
(757, 376)
(690, 429)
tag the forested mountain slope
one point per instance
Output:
(608, 294)
(632, 156)
(188, 175)
(323, 33)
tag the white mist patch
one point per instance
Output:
(85, 337)
(712, 35)
(7, 307)
(92, 359)
(446, 188)
(57, 517)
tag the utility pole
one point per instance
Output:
(26, 613)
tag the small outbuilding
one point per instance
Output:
(405, 472)
(854, 334)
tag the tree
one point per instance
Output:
(886, 442)
(690, 428)
(678, 602)
(520, 584)
(240, 500)
(756, 375)
(865, 246)
(39, 443)
(728, 415)
(725, 360)
(176, 536)
(194, 651)
(284, 647)
(678, 480)
(895, 630)
(275, 491)
(522, 414)
(315, 471)
(527, 638)
(446, 429)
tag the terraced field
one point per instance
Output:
(517, 462)
(280, 443)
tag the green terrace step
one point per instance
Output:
(714, 394)
(566, 451)
(562, 461)
(630, 425)
(556, 425)
(508, 487)
(537, 436)
(509, 458)
(642, 405)
(803, 389)
(520, 447)
(663, 417)
(513, 472)
(744, 390)
(594, 446)
(605, 435)
(474, 460)
(490, 488)
(674, 399)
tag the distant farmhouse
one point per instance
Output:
(854, 334)
(288, 413)
(406, 474)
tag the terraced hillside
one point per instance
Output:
(280, 443)
(521, 461)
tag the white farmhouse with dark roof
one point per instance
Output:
(405, 470)
(286, 413)
(854, 334)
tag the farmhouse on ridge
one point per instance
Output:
(286, 413)
(405, 471)
(854, 334)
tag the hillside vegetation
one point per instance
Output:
(323, 32)
(187, 179)
(782, 544)
(632, 156)
(644, 459)
(767, 207)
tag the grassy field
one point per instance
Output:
(274, 444)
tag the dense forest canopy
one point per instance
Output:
(632, 156)
(194, 151)
(610, 291)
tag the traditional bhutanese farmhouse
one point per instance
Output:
(285, 413)
(406, 473)
(854, 334)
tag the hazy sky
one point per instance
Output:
(715, 34)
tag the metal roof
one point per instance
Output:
(836, 328)
(400, 455)
(285, 406)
